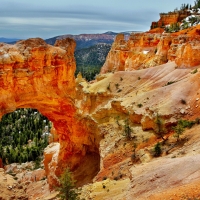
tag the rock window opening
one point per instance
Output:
(24, 134)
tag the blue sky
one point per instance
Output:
(49, 18)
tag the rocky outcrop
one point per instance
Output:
(144, 50)
(51, 161)
(125, 103)
(170, 18)
(187, 54)
(133, 54)
(10, 188)
(134, 99)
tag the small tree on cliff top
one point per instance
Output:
(67, 185)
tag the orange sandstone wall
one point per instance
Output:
(144, 50)
(36, 75)
(170, 18)
(133, 54)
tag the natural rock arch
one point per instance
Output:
(36, 75)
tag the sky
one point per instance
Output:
(48, 18)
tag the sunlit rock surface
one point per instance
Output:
(36, 75)
(144, 50)
(150, 75)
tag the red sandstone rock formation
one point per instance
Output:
(170, 18)
(138, 52)
(144, 50)
(36, 75)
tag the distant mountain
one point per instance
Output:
(85, 40)
(88, 40)
(110, 33)
(8, 40)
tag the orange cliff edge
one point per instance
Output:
(149, 49)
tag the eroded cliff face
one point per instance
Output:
(165, 84)
(134, 99)
(170, 18)
(133, 54)
(144, 50)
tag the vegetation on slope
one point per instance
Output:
(66, 188)
(23, 136)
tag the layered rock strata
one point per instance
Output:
(170, 18)
(144, 50)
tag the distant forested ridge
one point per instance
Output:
(90, 60)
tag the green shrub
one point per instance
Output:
(178, 131)
(181, 125)
(186, 123)
(157, 150)
(194, 71)
(139, 105)
(172, 28)
(127, 130)
(37, 163)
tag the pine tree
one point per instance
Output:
(160, 128)
(157, 150)
(67, 185)
(179, 129)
